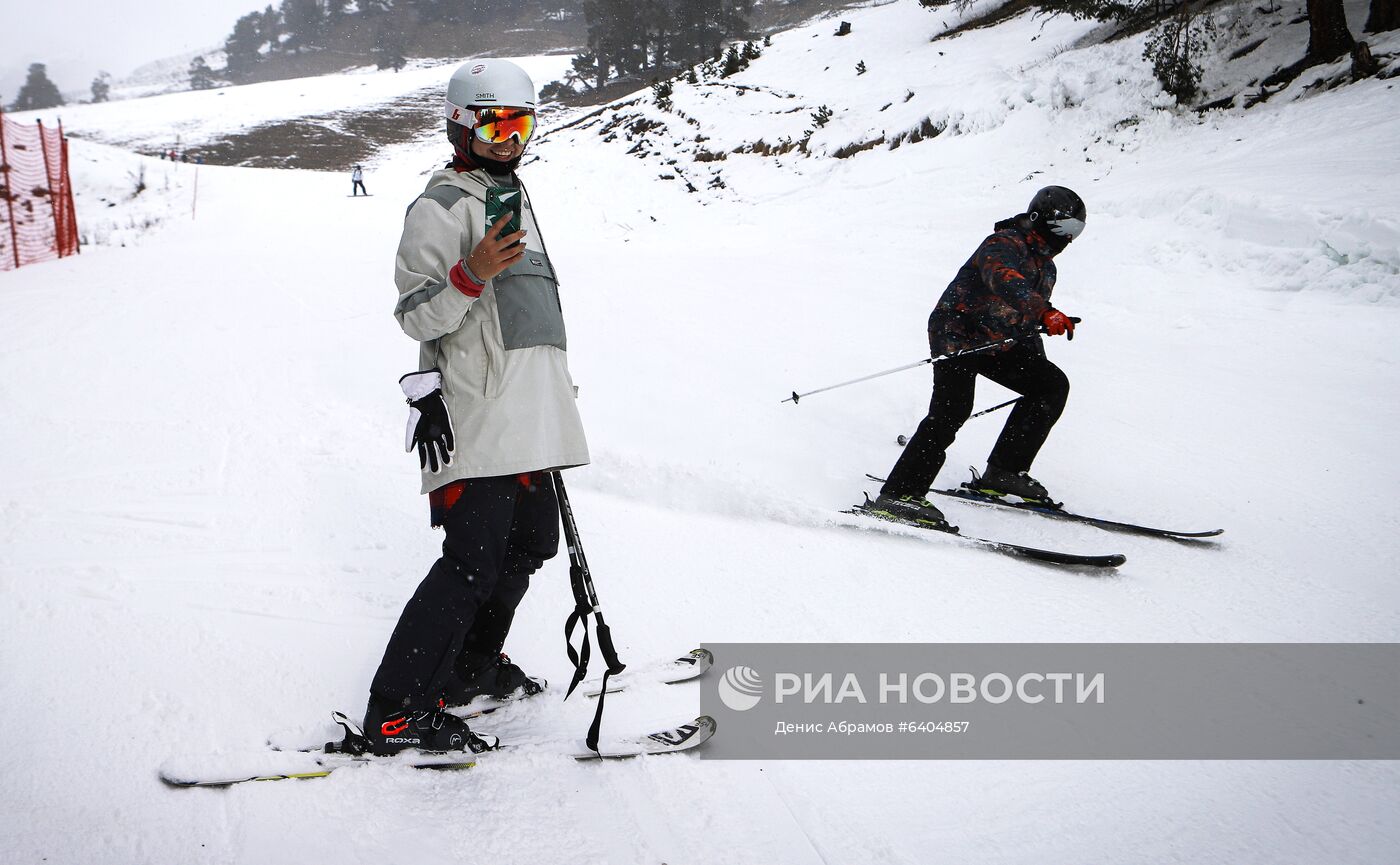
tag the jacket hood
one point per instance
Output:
(1021, 223)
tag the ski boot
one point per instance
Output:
(909, 509)
(491, 676)
(999, 483)
(388, 731)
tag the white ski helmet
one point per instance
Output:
(485, 84)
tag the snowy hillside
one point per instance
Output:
(210, 526)
(193, 119)
(166, 75)
(121, 197)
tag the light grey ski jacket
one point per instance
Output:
(500, 347)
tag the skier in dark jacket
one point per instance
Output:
(1003, 291)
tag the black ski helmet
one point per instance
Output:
(1059, 213)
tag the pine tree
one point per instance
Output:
(101, 87)
(388, 48)
(1099, 10)
(269, 27)
(607, 34)
(335, 11)
(732, 62)
(660, 25)
(632, 36)
(1175, 48)
(699, 33)
(583, 68)
(38, 91)
(243, 47)
(201, 76)
(305, 22)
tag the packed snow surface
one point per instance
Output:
(209, 526)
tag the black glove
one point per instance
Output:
(429, 424)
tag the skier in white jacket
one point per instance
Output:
(492, 411)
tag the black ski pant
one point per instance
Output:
(499, 532)
(357, 186)
(1023, 368)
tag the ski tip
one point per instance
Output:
(685, 737)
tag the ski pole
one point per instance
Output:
(993, 408)
(1001, 343)
(585, 605)
(798, 396)
(902, 440)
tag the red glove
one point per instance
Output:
(1057, 322)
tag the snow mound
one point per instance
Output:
(121, 197)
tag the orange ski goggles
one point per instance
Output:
(498, 125)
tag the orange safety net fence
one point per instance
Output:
(37, 221)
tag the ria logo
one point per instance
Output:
(741, 688)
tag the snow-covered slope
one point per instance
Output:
(122, 197)
(194, 118)
(209, 528)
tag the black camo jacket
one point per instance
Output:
(1002, 291)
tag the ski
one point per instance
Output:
(686, 668)
(979, 498)
(1053, 557)
(288, 765)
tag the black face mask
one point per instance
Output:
(1056, 243)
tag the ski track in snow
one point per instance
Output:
(209, 529)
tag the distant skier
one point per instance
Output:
(357, 182)
(492, 410)
(1002, 291)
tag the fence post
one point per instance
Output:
(9, 190)
(53, 192)
(70, 211)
